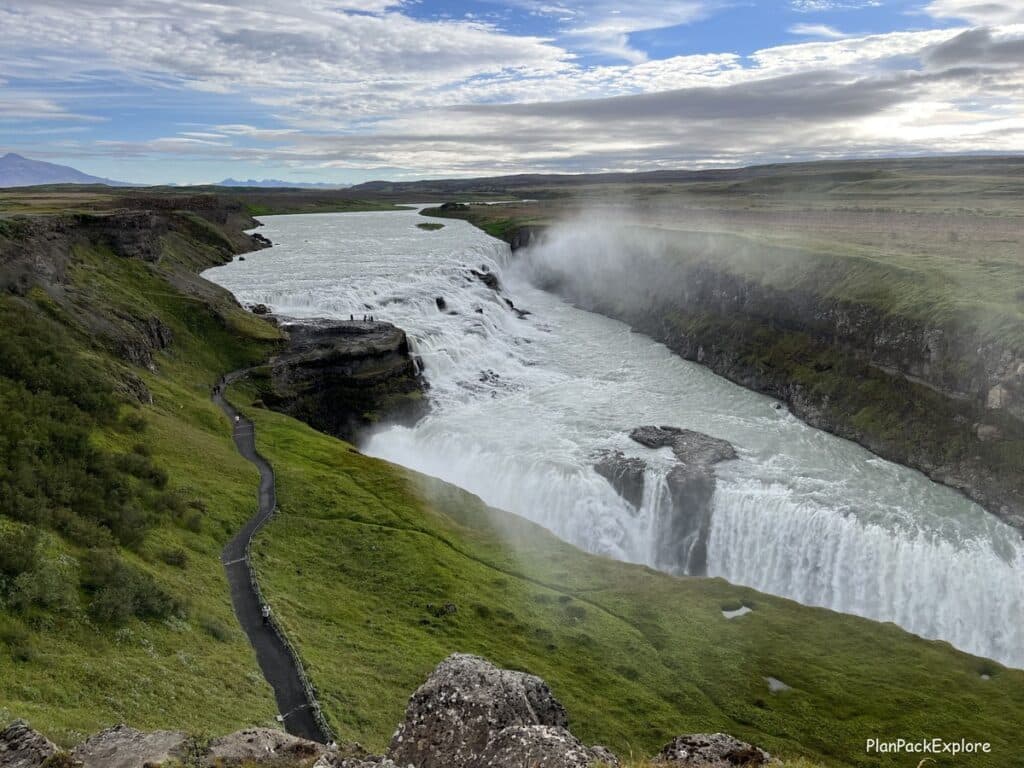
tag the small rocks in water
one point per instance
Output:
(520, 313)
(260, 309)
(465, 703)
(710, 750)
(441, 303)
(22, 747)
(487, 278)
(241, 258)
(125, 747)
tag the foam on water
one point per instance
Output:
(521, 407)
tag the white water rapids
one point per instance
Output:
(521, 406)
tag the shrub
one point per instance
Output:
(215, 629)
(120, 591)
(49, 586)
(17, 639)
(19, 551)
(176, 557)
(133, 422)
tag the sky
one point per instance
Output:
(343, 91)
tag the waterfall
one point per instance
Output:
(522, 406)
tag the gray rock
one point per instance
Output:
(22, 747)
(125, 747)
(682, 536)
(690, 447)
(539, 746)
(625, 474)
(487, 278)
(464, 703)
(369, 761)
(256, 745)
(710, 750)
(344, 377)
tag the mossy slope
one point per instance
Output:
(364, 560)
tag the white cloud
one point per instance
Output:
(817, 6)
(979, 12)
(602, 26)
(817, 30)
(27, 107)
(378, 89)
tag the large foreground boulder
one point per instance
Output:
(710, 750)
(125, 747)
(465, 702)
(22, 747)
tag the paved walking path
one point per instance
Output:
(276, 661)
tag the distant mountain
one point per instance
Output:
(279, 183)
(18, 171)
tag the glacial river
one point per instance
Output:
(521, 406)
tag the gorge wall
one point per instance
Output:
(942, 398)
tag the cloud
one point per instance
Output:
(360, 84)
(25, 108)
(368, 61)
(818, 6)
(602, 26)
(817, 30)
(977, 47)
(981, 13)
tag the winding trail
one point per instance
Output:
(299, 710)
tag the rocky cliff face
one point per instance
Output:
(344, 377)
(682, 533)
(944, 400)
(468, 714)
(40, 253)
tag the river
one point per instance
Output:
(521, 406)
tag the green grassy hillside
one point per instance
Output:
(365, 557)
(113, 603)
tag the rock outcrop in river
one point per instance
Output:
(683, 533)
(468, 714)
(344, 377)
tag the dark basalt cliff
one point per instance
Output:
(343, 377)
